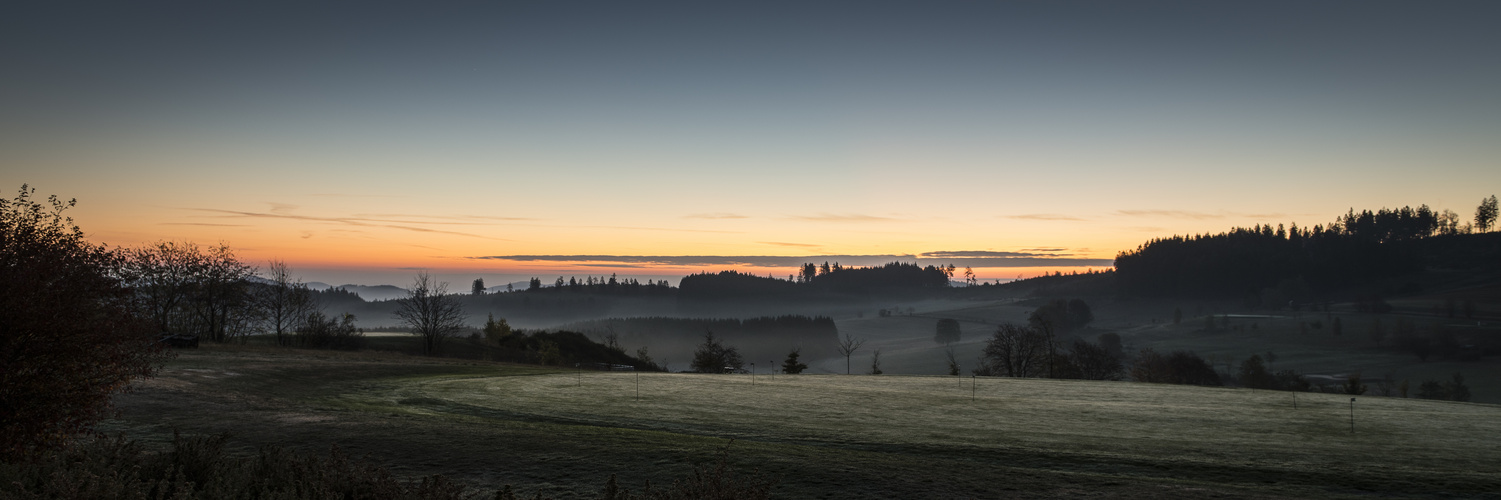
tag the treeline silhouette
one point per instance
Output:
(601, 286)
(761, 338)
(814, 279)
(1299, 263)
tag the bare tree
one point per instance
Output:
(283, 303)
(430, 312)
(185, 290)
(875, 362)
(222, 305)
(1017, 351)
(161, 275)
(953, 361)
(847, 347)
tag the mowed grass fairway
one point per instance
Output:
(827, 436)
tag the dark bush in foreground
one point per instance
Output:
(70, 335)
(199, 468)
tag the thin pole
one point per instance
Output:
(1352, 415)
(971, 388)
(638, 385)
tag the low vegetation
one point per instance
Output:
(562, 433)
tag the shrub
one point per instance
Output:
(322, 332)
(1178, 367)
(199, 468)
(791, 365)
(69, 334)
(713, 356)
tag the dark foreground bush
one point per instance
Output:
(199, 468)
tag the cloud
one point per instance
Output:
(961, 259)
(983, 254)
(1049, 250)
(785, 244)
(430, 218)
(347, 195)
(1178, 214)
(827, 217)
(715, 216)
(1222, 214)
(201, 224)
(1050, 217)
(282, 208)
(353, 221)
(636, 228)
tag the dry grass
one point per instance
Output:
(826, 436)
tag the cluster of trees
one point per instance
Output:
(1177, 367)
(813, 278)
(891, 275)
(1029, 351)
(187, 290)
(590, 284)
(1453, 389)
(1061, 316)
(1356, 249)
(714, 356)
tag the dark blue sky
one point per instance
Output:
(903, 127)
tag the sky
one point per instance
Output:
(362, 142)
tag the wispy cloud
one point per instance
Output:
(963, 258)
(786, 244)
(466, 219)
(1046, 217)
(1176, 214)
(670, 229)
(352, 221)
(827, 217)
(716, 216)
(209, 224)
(1190, 214)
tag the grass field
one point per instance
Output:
(824, 436)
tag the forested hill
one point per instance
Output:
(814, 279)
(1359, 250)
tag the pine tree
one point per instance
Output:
(792, 366)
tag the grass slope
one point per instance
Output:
(826, 436)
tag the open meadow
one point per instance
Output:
(563, 432)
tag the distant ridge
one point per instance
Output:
(373, 293)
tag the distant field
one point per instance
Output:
(825, 436)
(908, 348)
